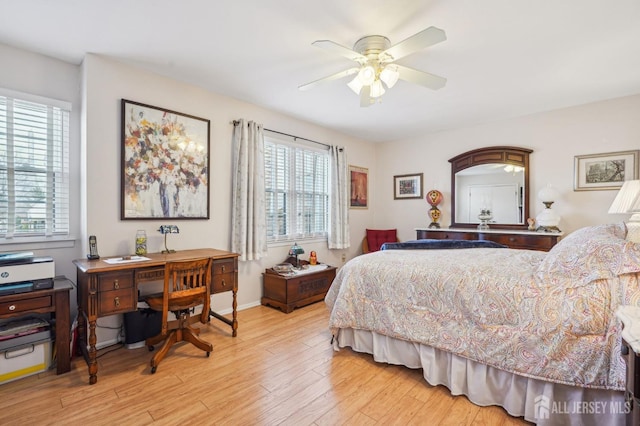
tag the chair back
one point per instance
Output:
(375, 238)
(186, 284)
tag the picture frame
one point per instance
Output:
(165, 164)
(359, 189)
(604, 171)
(407, 187)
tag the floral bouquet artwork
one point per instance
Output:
(165, 164)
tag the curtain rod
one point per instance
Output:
(236, 122)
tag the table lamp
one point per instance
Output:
(548, 220)
(296, 250)
(168, 229)
(628, 202)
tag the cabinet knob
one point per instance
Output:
(12, 307)
(223, 268)
(116, 284)
(116, 300)
(224, 283)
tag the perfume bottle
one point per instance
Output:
(141, 242)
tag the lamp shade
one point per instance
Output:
(296, 249)
(548, 194)
(377, 89)
(367, 75)
(628, 198)
(355, 85)
(390, 75)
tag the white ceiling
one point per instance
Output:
(502, 58)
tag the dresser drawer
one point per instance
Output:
(117, 301)
(444, 235)
(517, 241)
(25, 305)
(115, 280)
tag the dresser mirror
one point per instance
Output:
(490, 185)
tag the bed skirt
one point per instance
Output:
(540, 402)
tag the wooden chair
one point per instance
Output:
(374, 239)
(186, 285)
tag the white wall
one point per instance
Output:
(106, 82)
(555, 138)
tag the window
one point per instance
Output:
(297, 190)
(34, 166)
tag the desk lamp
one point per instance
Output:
(168, 229)
(628, 202)
(296, 250)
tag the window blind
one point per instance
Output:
(34, 166)
(297, 191)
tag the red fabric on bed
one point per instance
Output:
(377, 237)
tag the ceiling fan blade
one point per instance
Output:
(365, 99)
(424, 38)
(332, 77)
(340, 50)
(422, 78)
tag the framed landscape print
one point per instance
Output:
(165, 164)
(604, 171)
(407, 186)
(359, 194)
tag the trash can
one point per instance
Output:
(141, 324)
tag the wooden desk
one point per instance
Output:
(53, 300)
(107, 289)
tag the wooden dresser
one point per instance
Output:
(529, 240)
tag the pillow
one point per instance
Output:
(591, 253)
(377, 237)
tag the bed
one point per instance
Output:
(533, 332)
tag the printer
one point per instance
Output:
(22, 272)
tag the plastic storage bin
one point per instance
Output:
(24, 361)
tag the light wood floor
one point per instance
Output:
(281, 369)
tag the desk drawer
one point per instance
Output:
(223, 282)
(116, 301)
(25, 305)
(224, 266)
(115, 280)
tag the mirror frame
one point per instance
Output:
(491, 155)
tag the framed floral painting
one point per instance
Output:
(165, 163)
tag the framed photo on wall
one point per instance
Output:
(359, 177)
(407, 186)
(604, 171)
(165, 163)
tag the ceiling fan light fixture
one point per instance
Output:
(355, 85)
(367, 75)
(390, 75)
(377, 89)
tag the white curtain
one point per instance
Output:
(248, 211)
(339, 237)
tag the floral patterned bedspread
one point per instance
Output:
(549, 316)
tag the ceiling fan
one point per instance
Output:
(376, 64)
